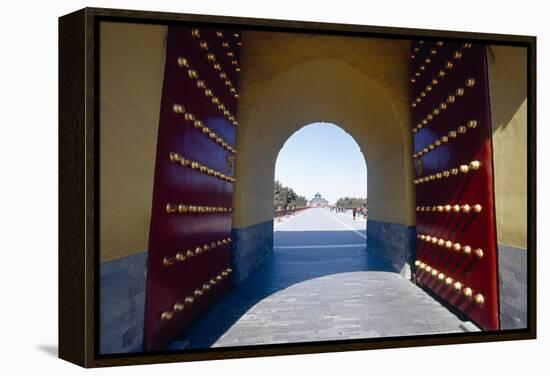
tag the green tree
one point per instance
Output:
(351, 202)
(285, 197)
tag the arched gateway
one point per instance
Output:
(199, 118)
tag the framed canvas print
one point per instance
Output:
(235, 187)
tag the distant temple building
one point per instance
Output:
(317, 200)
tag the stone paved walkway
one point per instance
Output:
(320, 285)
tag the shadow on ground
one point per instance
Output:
(50, 350)
(284, 268)
(315, 238)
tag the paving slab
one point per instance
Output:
(320, 284)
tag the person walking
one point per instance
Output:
(354, 213)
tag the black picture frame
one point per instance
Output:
(78, 187)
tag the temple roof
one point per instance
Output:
(318, 199)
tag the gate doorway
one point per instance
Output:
(320, 157)
(319, 283)
(181, 207)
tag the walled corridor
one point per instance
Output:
(320, 284)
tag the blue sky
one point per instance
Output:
(322, 157)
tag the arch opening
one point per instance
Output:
(320, 166)
(277, 104)
(320, 198)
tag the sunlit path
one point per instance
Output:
(320, 285)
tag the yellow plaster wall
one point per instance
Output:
(291, 80)
(508, 91)
(131, 72)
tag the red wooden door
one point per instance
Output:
(456, 239)
(189, 262)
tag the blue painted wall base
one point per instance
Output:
(512, 277)
(394, 244)
(250, 247)
(122, 304)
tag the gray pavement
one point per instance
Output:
(319, 285)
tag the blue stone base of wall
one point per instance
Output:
(394, 244)
(250, 247)
(122, 304)
(512, 270)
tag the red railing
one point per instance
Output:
(288, 212)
